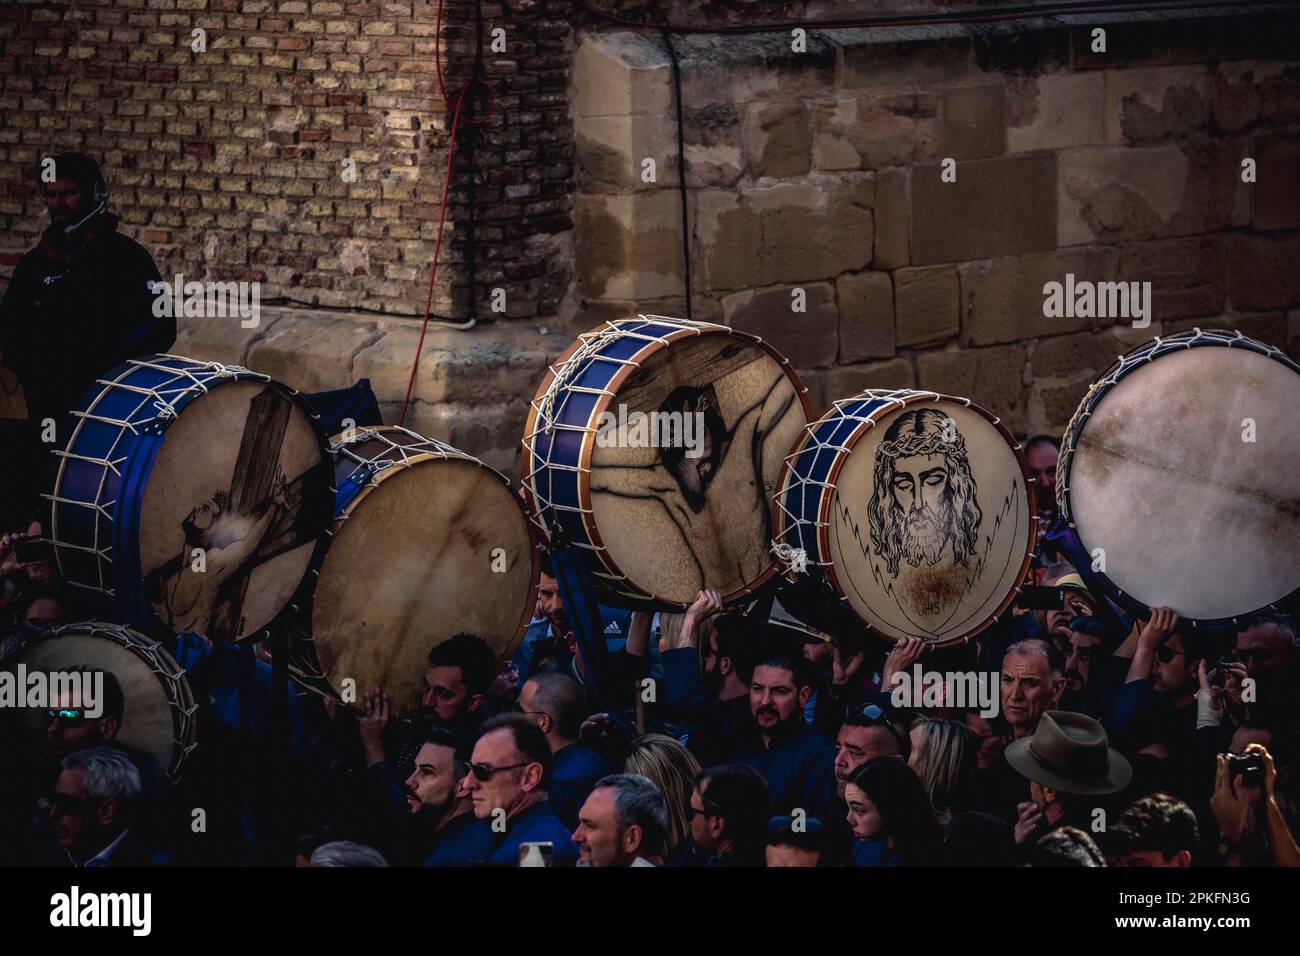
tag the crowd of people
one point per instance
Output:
(707, 738)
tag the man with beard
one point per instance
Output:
(797, 763)
(78, 304)
(456, 683)
(549, 642)
(1041, 455)
(438, 802)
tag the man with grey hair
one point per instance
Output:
(90, 810)
(345, 853)
(623, 823)
(1032, 684)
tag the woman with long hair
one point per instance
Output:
(890, 814)
(673, 769)
(944, 758)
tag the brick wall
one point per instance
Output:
(228, 163)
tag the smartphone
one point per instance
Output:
(1034, 597)
(537, 854)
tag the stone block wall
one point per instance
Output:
(817, 176)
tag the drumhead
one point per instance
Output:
(929, 526)
(157, 720)
(675, 520)
(431, 549)
(241, 475)
(1184, 475)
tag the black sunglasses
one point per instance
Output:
(66, 804)
(68, 717)
(1165, 653)
(484, 771)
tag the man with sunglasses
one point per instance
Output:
(68, 729)
(510, 771)
(728, 815)
(89, 811)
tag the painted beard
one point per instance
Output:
(924, 536)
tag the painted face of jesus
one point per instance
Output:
(919, 482)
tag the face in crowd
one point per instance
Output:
(1041, 459)
(68, 729)
(511, 779)
(854, 746)
(600, 839)
(1266, 651)
(707, 829)
(436, 782)
(775, 697)
(446, 696)
(1172, 670)
(1078, 662)
(1029, 689)
(1077, 604)
(863, 816)
(77, 818)
(64, 200)
(551, 606)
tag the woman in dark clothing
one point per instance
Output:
(893, 823)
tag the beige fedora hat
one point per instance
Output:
(1070, 753)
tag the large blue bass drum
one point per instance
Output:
(192, 493)
(654, 445)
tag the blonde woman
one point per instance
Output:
(673, 769)
(944, 758)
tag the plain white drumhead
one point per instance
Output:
(1191, 513)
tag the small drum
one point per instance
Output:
(158, 720)
(427, 542)
(1180, 465)
(915, 509)
(655, 443)
(194, 491)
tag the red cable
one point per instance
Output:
(446, 187)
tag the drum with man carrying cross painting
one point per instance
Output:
(913, 510)
(190, 492)
(1179, 474)
(653, 445)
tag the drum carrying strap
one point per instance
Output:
(580, 605)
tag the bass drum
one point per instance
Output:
(653, 444)
(193, 492)
(1180, 467)
(915, 510)
(158, 722)
(427, 542)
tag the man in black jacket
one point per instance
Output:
(77, 305)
